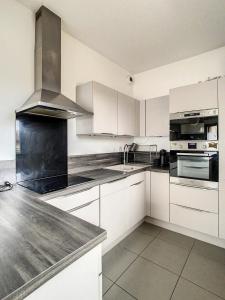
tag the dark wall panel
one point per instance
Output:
(41, 147)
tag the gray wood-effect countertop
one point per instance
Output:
(38, 241)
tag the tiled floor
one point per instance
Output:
(157, 264)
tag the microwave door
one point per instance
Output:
(193, 166)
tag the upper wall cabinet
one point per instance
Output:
(113, 113)
(102, 101)
(128, 115)
(194, 97)
(157, 116)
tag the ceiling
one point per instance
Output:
(142, 34)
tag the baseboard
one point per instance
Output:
(117, 241)
(194, 234)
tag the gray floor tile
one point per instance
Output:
(186, 290)
(147, 281)
(206, 268)
(167, 254)
(150, 229)
(176, 238)
(116, 293)
(106, 284)
(136, 241)
(116, 261)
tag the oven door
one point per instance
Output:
(199, 165)
(192, 165)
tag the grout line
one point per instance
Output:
(158, 265)
(126, 291)
(182, 270)
(203, 288)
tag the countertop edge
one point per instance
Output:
(43, 277)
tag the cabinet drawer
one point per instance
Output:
(113, 186)
(202, 199)
(136, 178)
(88, 212)
(202, 221)
(71, 201)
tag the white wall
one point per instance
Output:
(157, 82)
(16, 68)
(79, 64)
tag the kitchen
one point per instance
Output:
(124, 201)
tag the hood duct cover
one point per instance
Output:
(47, 99)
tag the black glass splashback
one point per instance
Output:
(41, 147)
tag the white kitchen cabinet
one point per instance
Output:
(199, 220)
(84, 204)
(143, 118)
(194, 97)
(157, 116)
(127, 115)
(88, 212)
(136, 201)
(122, 206)
(102, 102)
(203, 199)
(72, 282)
(160, 196)
(221, 98)
(148, 192)
(114, 216)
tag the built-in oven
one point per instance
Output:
(194, 125)
(194, 163)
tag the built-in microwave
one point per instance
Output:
(194, 125)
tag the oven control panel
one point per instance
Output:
(194, 145)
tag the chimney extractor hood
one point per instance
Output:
(47, 99)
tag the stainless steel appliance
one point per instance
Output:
(194, 163)
(194, 125)
(47, 99)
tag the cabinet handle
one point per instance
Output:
(191, 208)
(118, 179)
(81, 206)
(195, 186)
(137, 183)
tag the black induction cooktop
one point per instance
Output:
(50, 184)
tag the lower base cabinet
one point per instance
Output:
(80, 280)
(198, 220)
(122, 206)
(160, 196)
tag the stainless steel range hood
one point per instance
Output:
(47, 99)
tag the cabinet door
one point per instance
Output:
(137, 118)
(136, 202)
(105, 109)
(160, 196)
(88, 212)
(72, 282)
(194, 97)
(221, 97)
(114, 216)
(142, 118)
(126, 115)
(148, 192)
(157, 116)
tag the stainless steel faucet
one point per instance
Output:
(150, 152)
(125, 150)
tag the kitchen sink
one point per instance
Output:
(126, 168)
